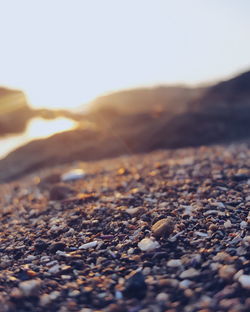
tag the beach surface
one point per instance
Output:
(162, 231)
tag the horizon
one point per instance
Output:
(64, 55)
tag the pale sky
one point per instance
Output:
(63, 53)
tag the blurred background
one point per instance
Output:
(85, 80)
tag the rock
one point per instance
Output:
(45, 300)
(135, 286)
(89, 245)
(243, 225)
(227, 272)
(30, 287)
(133, 211)
(244, 280)
(190, 273)
(148, 244)
(174, 263)
(163, 227)
(41, 245)
(228, 224)
(163, 297)
(54, 269)
(57, 246)
(73, 175)
(60, 192)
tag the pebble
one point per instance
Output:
(133, 211)
(227, 272)
(135, 286)
(162, 297)
(185, 284)
(89, 245)
(73, 175)
(190, 273)
(244, 280)
(57, 246)
(60, 192)
(174, 263)
(243, 225)
(227, 224)
(45, 300)
(148, 244)
(54, 269)
(163, 227)
(30, 287)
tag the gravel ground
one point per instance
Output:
(165, 231)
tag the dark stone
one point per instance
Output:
(41, 245)
(240, 177)
(135, 286)
(60, 192)
(57, 246)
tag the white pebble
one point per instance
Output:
(148, 244)
(30, 287)
(174, 263)
(72, 175)
(227, 224)
(89, 245)
(185, 284)
(243, 225)
(55, 269)
(162, 297)
(244, 280)
(189, 273)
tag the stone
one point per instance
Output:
(57, 246)
(135, 286)
(228, 224)
(174, 263)
(148, 244)
(190, 273)
(244, 280)
(163, 227)
(162, 297)
(89, 245)
(227, 272)
(73, 175)
(30, 287)
(60, 192)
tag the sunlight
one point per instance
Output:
(37, 128)
(63, 64)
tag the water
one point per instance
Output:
(37, 128)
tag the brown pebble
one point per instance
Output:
(60, 192)
(163, 227)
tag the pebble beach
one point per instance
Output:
(163, 231)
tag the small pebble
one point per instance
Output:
(244, 280)
(162, 297)
(135, 286)
(148, 244)
(190, 273)
(228, 224)
(73, 175)
(227, 272)
(30, 287)
(174, 263)
(163, 227)
(89, 245)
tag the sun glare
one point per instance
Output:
(39, 127)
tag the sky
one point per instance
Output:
(64, 53)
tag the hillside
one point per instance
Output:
(220, 113)
(14, 111)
